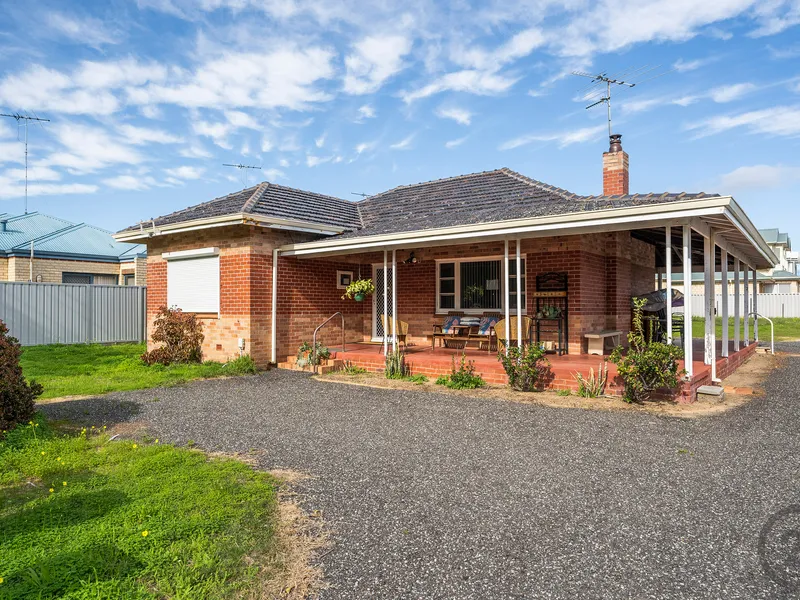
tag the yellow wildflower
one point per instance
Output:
(156, 440)
(30, 422)
(135, 446)
(43, 453)
(1, 580)
(52, 490)
(145, 533)
(59, 459)
(63, 483)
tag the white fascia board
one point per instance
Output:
(674, 213)
(234, 219)
(193, 253)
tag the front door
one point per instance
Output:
(377, 300)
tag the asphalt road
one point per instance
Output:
(436, 496)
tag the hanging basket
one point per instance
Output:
(359, 297)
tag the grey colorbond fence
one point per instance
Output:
(769, 305)
(56, 313)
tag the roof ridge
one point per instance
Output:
(410, 185)
(566, 194)
(286, 187)
(257, 194)
(195, 206)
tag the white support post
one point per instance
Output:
(385, 302)
(709, 262)
(746, 306)
(394, 300)
(724, 258)
(274, 309)
(507, 299)
(755, 304)
(519, 294)
(668, 273)
(687, 300)
(737, 300)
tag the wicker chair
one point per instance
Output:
(402, 329)
(499, 331)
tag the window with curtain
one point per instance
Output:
(476, 285)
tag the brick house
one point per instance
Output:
(263, 267)
(45, 249)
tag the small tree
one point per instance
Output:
(646, 366)
(181, 335)
(17, 396)
(524, 366)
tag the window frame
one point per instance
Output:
(91, 277)
(195, 254)
(457, 281)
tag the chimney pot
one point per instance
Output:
(615, 142)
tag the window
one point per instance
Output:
(129, 279)
(193, 280)
(476, 285)
(89, 279)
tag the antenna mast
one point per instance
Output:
(242, 168)
(602, 78)
(24, 118)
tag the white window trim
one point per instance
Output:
(477, 311)
(193, 253)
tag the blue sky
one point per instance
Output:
(147, 99)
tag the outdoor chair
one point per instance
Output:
(450, 328)
(401, 332)
(484, 330)
(499, 331)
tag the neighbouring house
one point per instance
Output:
(265, 266)
(45, 249)
(782, 278)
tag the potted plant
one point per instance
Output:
(359, 289)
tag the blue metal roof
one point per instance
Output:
(56, 238)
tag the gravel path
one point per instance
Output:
(435, 496)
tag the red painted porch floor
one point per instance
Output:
(434, 362)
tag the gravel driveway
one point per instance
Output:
(435, 496)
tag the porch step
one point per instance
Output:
(325, 366)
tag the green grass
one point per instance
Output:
(85, 539)
(89, 369)
(786, 330)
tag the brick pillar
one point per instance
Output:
(615, 169)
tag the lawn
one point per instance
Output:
(85, 517)
(88, 369)
(786, 330)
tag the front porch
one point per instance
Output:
(432, 362)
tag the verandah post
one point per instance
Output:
(710, 263)
(519, 295)
(668, 269)
(506, 298)
(724, 303)
(755, 304)
(737, 324)
(394, 300)
(385, 302)
(687, 300)
(746, 305)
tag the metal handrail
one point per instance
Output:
(314, 338)
(772, 327)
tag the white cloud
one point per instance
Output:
(266, 144)
(185, 172)
(778, 121)
(43, 89)
(373, 61)
(195, 151)
(729, 93)
(283, 163)
(364, 146)
(459, 115)
(313, 161)
(682, 66)
(117, 73)
(10, 189)
(143, 135)
(218, 132)
(404, 144)
(365, 112)
(455, 143)
(474, 82)
(564, 138)
(518, 46)
(320, 141)
(272, 174)
(86, 30)
(35, 173)
(760, 176)
(241, 119)
(129, 182)
(87, 149)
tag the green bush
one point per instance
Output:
(241, 365)
(418, 379)
(17, 396)
(396, 367)
(350, 368)
(646, 366)
(306, 355)
(463, 377)
(524, 366)
(181, 335)
(594, 385)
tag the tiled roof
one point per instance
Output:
(486, 197)
(58, 237)
(271, 200)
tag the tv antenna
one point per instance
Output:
(25, 119)
(243, 169)
(362, 194)
(629, 78)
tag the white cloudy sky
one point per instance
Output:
(147, 99)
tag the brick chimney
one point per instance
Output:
(615, 168)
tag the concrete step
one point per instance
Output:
(325, 366)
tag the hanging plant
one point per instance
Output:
(359, 289)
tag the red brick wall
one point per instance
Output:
(615, 173)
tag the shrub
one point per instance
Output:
(646, 366)
(524, 366)
(417, 379)
(463, 377)
(181, 335)
(308, 355)
(16, 394)
(563, 393)
(396, 367)
(241, 365)
(593, 386)
(350, 368)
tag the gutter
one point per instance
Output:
(147, 232)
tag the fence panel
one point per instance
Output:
(769, 305)
(65, 313)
